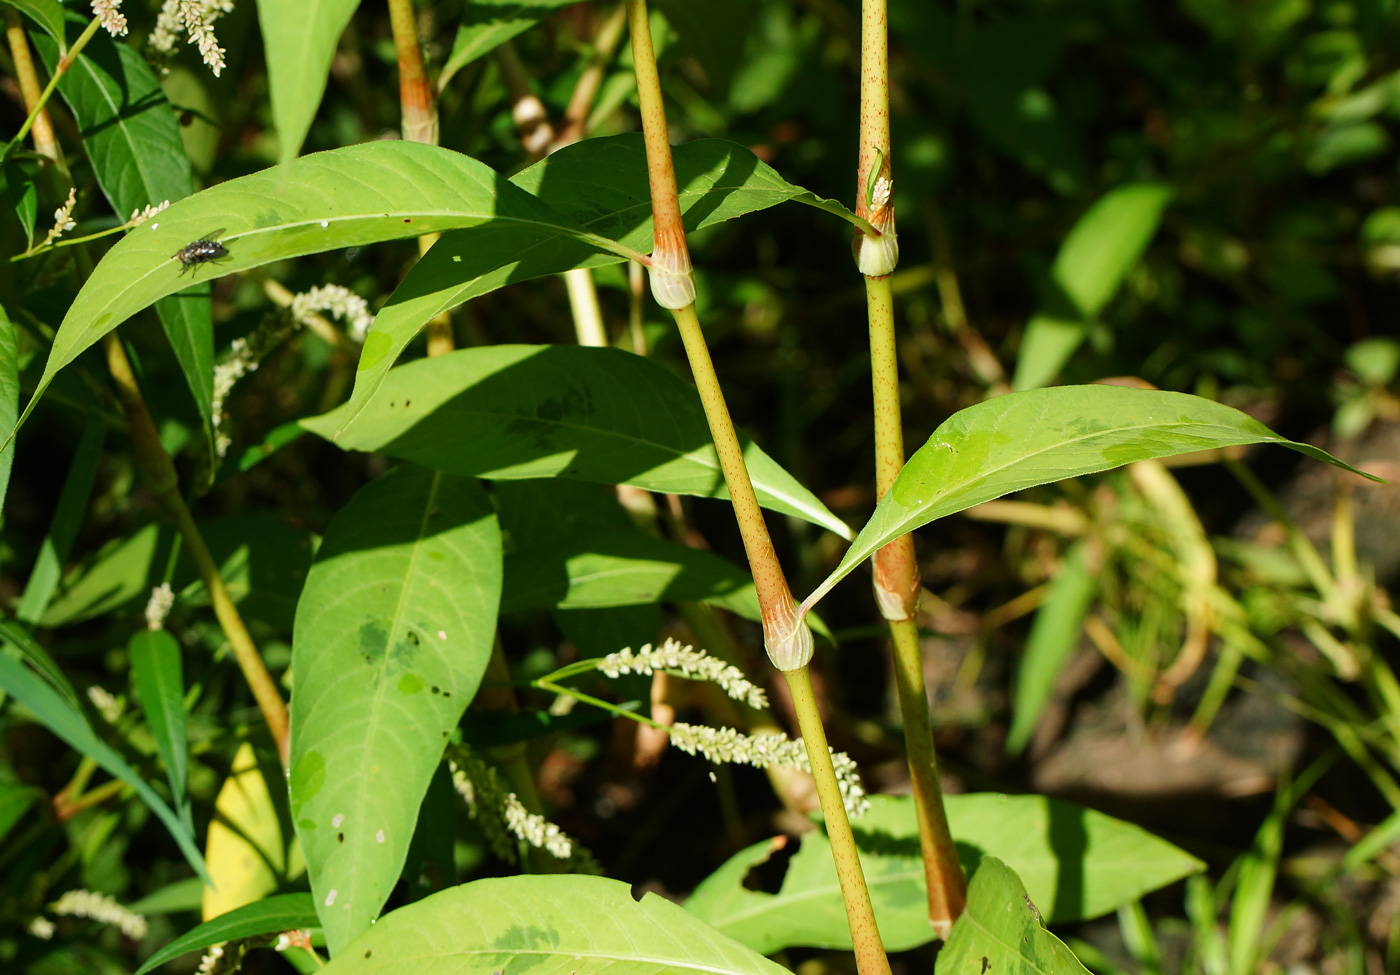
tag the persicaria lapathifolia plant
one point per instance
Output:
(317, 640)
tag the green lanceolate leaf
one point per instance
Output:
(1001, 931)
(392, 635)
(585, 925)
(486, 26)
(1020, 440)
(66, 721)
(9, 396)
(589, 414)
(599, 186)
(1077, 864)
(342, 198)
(40, 660)
(1052, 640)
(48, 14)
(160, 681)
(300, 40)
(132, 136)
(1094, 260)
(280, 912)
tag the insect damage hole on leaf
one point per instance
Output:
(767, 875)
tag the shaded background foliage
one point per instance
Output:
(1270, 285)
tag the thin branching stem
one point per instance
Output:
(158, 471)
(860, 915)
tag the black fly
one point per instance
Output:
(201, 251)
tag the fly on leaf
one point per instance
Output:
(202, 251)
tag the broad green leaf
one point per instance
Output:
(160, 682)
(1077, 863)
(626, 569)
(9, 396)
(300, 40)
(342, 198)
(1095, 258)
(1023, 439)
(48, 14)
(600, 186)
(576, 925)
(393, 632)
(280, 912)
(247, 855)
(1053, 637)
(67, 519)
(15, 800)
(590, 414)
(1107, 242)
(64, 720)
(486, 26)
(1001, 931)
(132, 136)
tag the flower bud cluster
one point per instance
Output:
(504, 818)
(764, 751)
(688, 662)
(100, 907)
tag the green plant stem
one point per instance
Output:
(586, 88)
(63, 65)
(758, 544)
(545, 684)
(158, 471)
(93, 797)
(874, 98)
(418, 107)
(860, 915)
(895, 568)
(661, 174)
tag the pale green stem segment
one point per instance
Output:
(774, 597)
(420, 124)
(62, 68)
(159, 473)
(860, 915)
(947, 887)
(896, 570)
